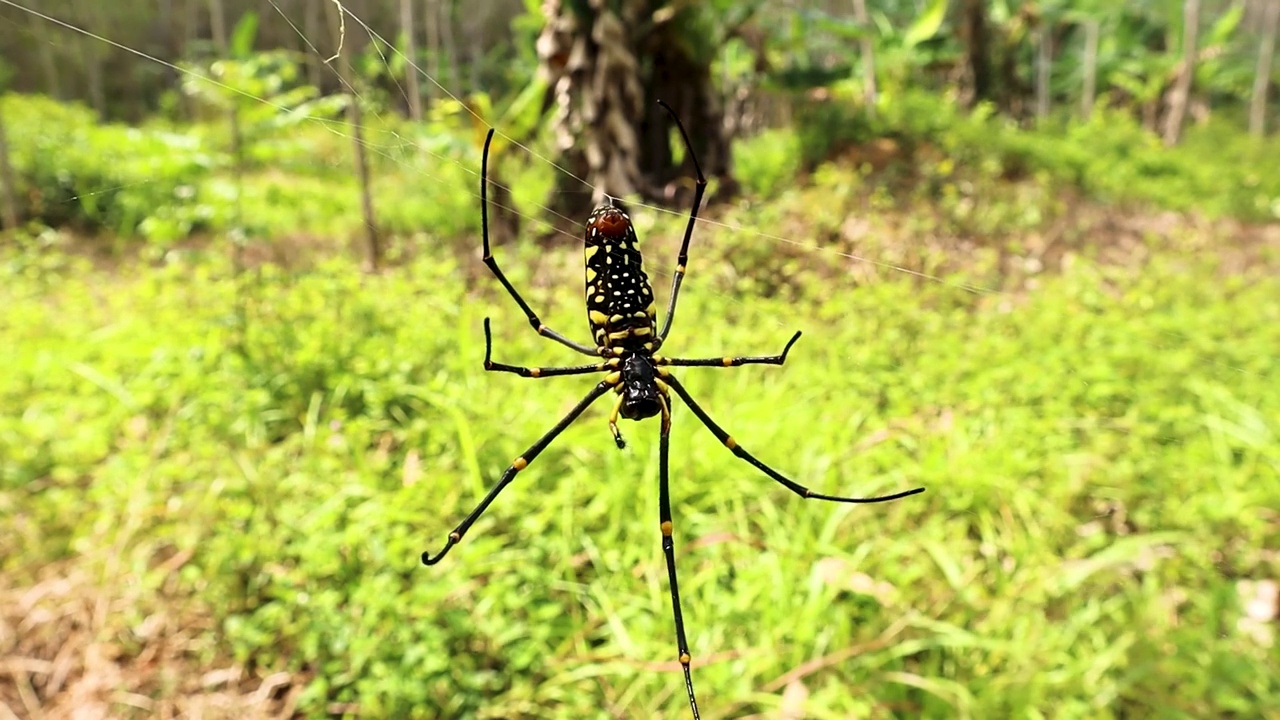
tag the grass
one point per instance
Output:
(192, 489)
(214, 491)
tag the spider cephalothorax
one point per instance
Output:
(620, 308)
(643, 394)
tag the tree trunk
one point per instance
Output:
(868, 57)
(1090, 68)
(454, 78)
(1044, 61)
(411, 66)
(93, 76)
(170, 35)
(472, 32)
(977, 43)
(374, 244)
(432, 18)
(8, 188)
(188, 31)
(218, 26)
(1262, 74)
(311, 29)
(41, 33)
(605, 70)
(91, 55)
(1181, 91)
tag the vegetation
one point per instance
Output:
(224, 445)
(1100, 455)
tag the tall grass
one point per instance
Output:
(1101, 457)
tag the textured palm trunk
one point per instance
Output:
(606, 65)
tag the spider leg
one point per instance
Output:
(735, 361)
(613, 424)
(683, 258)
(668, 550)
(517, 465)
(537, 372)
(737, 449)
(541, 329)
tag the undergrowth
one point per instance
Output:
(1101, 458)
(242, 470)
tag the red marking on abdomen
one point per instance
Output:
(613, 224)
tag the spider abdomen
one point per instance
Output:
(620, 303)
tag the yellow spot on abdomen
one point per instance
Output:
(685, 659)
(666, 528)
(728, 362)
(535, 372)
(730, 443)
(519, 464)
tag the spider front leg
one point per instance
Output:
(613, 423)
(536, 323)
(520, 463)
(537, 372)
(683, 258)
(735, 361)
(737, 449)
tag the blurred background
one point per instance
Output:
(1033, 247)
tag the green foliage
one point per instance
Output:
(267, 94)
(242, 38)
(1216, 170)
(927, 25)
(72, 171)
(294, 175)
(768, 162)
(1099, 455)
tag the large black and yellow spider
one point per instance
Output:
(620, 308)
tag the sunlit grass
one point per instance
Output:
(1101, 458)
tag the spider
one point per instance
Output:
(621, 311)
